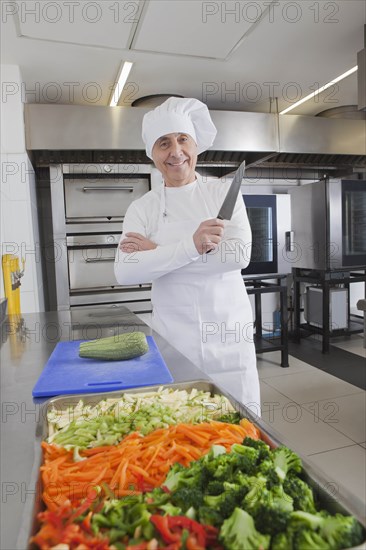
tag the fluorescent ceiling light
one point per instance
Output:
(123, 75)
(319, 90)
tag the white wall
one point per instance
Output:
(19, 223)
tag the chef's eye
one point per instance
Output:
(163, 144)
(183, 138)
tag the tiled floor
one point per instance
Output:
(320, 416)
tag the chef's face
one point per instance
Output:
(175, 155)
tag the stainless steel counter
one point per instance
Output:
(25, 348)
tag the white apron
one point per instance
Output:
(207, 318)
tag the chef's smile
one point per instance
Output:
(176, 163)
(175, 155)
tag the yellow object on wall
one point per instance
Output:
(12, 275)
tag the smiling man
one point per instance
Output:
(200, 304)
(175, 155)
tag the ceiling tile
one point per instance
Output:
(107, 23)
(195, 28)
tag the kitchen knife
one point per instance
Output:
(227, 208)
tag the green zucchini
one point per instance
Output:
(115, 348)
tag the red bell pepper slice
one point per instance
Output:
(191, 525)
(171, 530)
(162, 525)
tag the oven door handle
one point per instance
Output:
(109, 188)
(97, 260)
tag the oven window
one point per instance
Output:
(260, 219)
(261, 210)
(354, 222)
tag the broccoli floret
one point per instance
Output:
(230, 497)
(262, 447)
(301, 493)
(267, 469)
(230, 418)
(336, 531)
(237, 489)
(196, 475)
(270, 509)
(209, 516)
(272, 518)
(238, 532)
(187, 497)
(242, 479)
(281, 541)
(220, 468)
(225, 503)
(257, 488)
(247, 458)
(309, 540)
(215, 487)
(286, 461)
(240, 458)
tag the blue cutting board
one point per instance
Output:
(66, 373)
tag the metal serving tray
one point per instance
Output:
(326, 493)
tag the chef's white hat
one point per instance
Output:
(183, 115)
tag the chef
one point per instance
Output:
(172, 238)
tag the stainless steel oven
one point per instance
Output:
(89, 202)
(329, 224)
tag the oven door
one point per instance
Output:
(91, 263)
(262, 215)
(354, 223)
(101, 197)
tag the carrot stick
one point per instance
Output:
(155, 454)
(149, 458)
(122, 475)
(142, 472)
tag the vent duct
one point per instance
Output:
(272, 145)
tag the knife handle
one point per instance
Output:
(218, 217)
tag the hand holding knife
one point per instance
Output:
(228, 205)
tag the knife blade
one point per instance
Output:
(227, 207)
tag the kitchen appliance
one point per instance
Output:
(67, 373)
(89, 202)
(329, 224)
(262, 215)
(338, 307)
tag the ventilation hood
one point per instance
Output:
(278, 146)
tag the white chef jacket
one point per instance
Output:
(200, 304)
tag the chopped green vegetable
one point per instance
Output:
(246, 510)
(239, 532)
(321, 530)
(107, 422)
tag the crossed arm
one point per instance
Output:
(140, 260)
